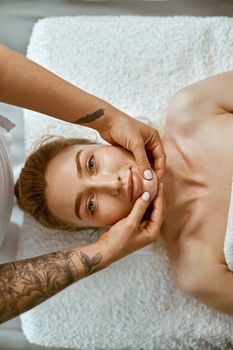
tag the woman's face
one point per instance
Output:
(94, 185)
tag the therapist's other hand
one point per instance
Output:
(141, 140)
(131, 233)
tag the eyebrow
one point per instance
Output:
(78, 202)
(78, 199)
(78, 163)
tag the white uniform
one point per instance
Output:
(6, 176)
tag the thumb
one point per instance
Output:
(142, 161)
(139, 209)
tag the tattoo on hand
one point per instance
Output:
(90, 117)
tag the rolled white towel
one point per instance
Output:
(6, 177)
(228, 243)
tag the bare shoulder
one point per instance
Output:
(194, 265)
(201, 101)
(209, 281)
(186, 109)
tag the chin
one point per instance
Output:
(151, 186)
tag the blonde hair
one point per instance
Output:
(31, 184)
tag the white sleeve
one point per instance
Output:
(6, 177)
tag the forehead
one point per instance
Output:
(63, 165)
(61, 177)
(64, 158)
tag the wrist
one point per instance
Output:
(103, 115)
(91, 258)
(111, 248)
(97, 113)
(107, 255)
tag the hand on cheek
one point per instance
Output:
(131, 233)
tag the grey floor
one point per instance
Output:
(16, 21)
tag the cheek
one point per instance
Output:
(115, 157)
(113, 211)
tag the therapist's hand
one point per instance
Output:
(26, 84)
(131, 233)
(139, 138)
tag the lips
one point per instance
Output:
(130, 186)
(137, 185)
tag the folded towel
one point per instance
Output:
(228, 243)
(135, 63)
(6, 177)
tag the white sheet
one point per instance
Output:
(135, 63)
(6, 177)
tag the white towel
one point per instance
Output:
(135, 63)
(228, 243)
(6, 177)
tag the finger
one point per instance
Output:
(142, 161)
(159, 201)
(160, 160)
(149, 231)
(158, 213)
(139, 209)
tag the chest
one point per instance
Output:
(200, 170)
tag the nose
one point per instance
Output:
(108, 184)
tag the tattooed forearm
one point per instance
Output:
(90, 117)
(27, 283)
(91, 264)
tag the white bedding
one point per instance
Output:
(6, 177)
(228, 243)
(135, 63)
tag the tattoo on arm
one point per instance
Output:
(90, 264)
(27, 283)
(90, 117)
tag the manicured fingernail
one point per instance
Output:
(146, 196)
(148, 174)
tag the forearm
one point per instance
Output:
(26, 84)
(27, 283)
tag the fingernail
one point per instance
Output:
(146, 196)
(148, 174)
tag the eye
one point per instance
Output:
(91, 164)
(91, 205)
